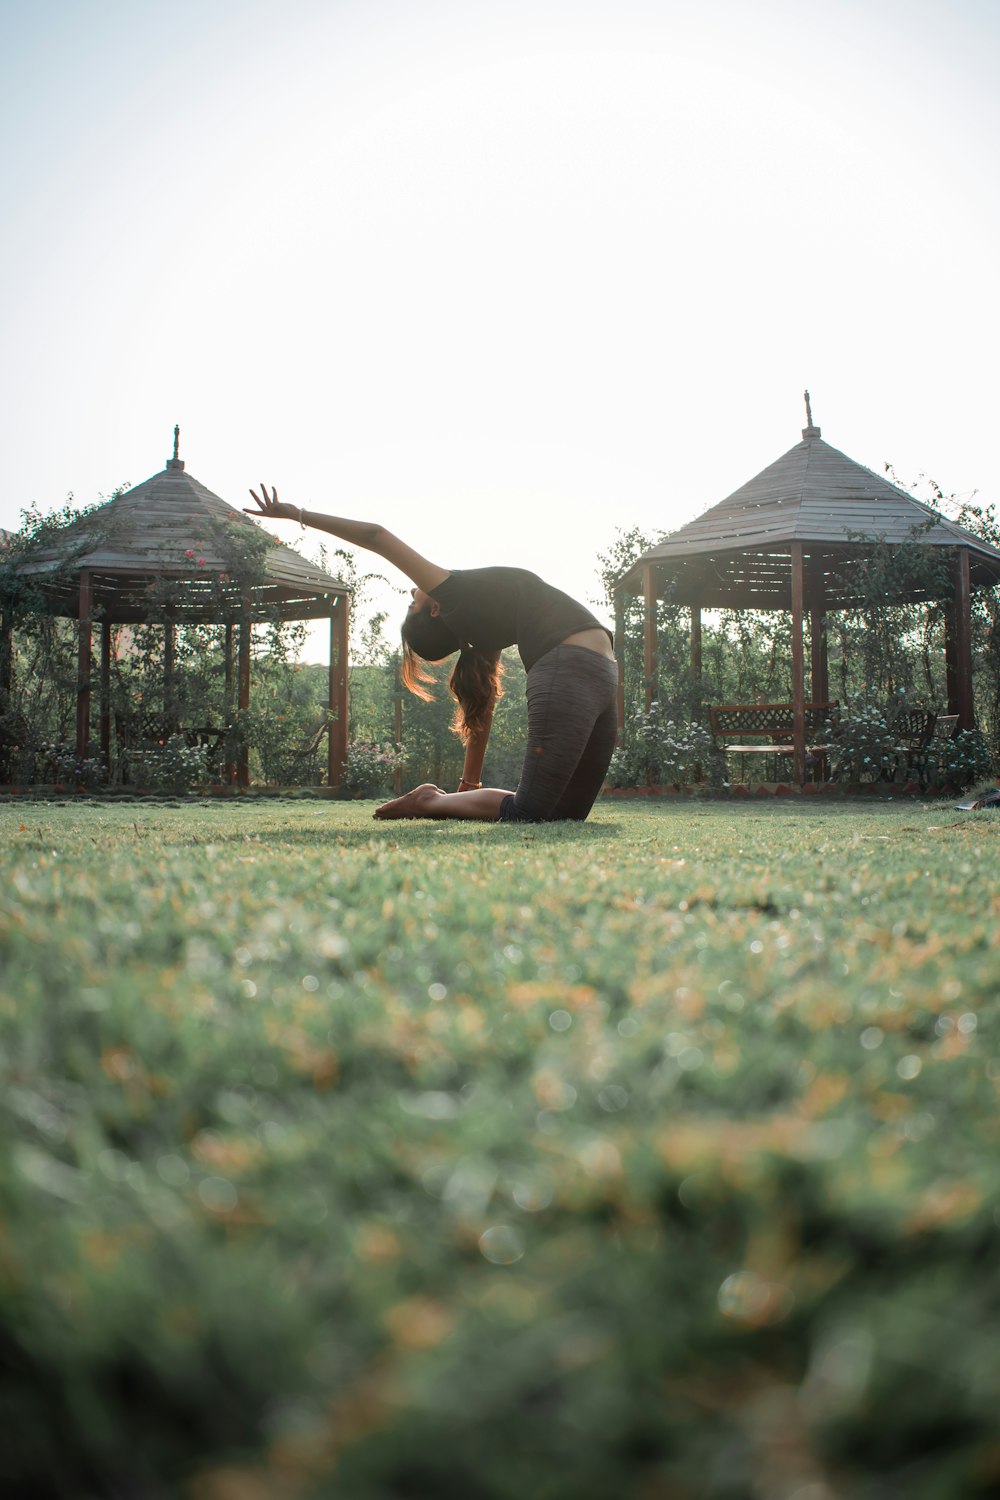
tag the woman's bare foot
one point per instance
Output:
(416, 804)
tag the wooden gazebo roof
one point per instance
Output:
(173, 528)
(737, 554)
(171, 551)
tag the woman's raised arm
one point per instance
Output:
(368, 534)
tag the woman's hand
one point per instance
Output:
(269, 505)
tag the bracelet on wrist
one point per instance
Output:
(473, 786)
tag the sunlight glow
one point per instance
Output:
(503, 276)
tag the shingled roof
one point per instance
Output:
(813, 494)
(172, 527)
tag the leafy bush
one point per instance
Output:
(862, 744)
(960, 761)
(864, 747)
(57, 763)
(664, 752)
(174, 766)
(370, 766)
(284, 735)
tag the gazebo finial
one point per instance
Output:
(175, 462)
(809, 430)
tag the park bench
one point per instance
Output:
(911, 731)
(766, 729)
(945, 728)
(138, 732)
(918, 731)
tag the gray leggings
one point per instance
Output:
(572, 727)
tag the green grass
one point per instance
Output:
(656, 1157)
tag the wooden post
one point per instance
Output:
(397, 719)
(950, 659)
(798, 667)
(84, 662)
(6, 683)
(229, 771)
(169, 696)
(6, 658)
(649, 634)
(696, 644)
(815, 602)
(106, 694)
(819, 667)
(337, 748)
(243, 698)
(819, 672)
(620, 653)
(963, 642)
(227, 650)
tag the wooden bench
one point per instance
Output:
(767, 729)
(918, 731)
(912, 729)
(945, 728)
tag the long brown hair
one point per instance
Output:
(475, 682)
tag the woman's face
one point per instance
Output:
(424, 632)
(422, 601)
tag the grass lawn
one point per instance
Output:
(656, 1157)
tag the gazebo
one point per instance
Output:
(174, 534)
(790, 539)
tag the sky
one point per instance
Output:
(503, 275)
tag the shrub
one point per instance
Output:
(665, 751)
(862, 745)
(370, 766)
(174, 766)
(284, 740)
(960, 761)
(58, 763)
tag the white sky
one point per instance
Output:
(502, 274)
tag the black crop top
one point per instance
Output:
(495, 607)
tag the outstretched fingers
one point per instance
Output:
(267, 504)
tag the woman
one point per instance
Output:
(569, 657)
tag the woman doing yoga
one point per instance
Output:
(572, 680)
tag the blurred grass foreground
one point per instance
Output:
(656, 1157)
